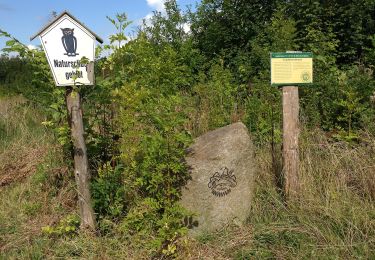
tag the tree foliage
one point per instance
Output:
(159, 89)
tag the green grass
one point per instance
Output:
(334, 217)
(43, 195)
(19, 121)
(27, 155)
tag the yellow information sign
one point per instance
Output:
(291, 68)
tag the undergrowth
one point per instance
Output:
(157, 91)
(333, 218)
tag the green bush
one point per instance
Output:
(109, 193)
(67, 226)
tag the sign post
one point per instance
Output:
(289, 70)
(67, 42)
(290, 101)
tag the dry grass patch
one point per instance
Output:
(18, 163)
(24, 141)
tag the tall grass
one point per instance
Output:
(33, 190)
(334, 217)
(37, 190)
(19, 120)
(23, 139)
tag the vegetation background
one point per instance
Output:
(159, 90)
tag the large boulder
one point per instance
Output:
(222, 173)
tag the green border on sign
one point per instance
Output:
(291, 84)
(291, 55)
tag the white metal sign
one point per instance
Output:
(65, 43)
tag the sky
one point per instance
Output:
(22, 19)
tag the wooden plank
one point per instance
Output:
(81, 165)
(290, 141)
(90, 72)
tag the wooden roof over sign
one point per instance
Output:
(71, 16)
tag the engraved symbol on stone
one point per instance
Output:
(222, 182)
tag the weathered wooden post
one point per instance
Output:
(290, 70)
(67, 42)
(290, 101)
(81, 164)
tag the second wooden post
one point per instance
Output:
(290, 140)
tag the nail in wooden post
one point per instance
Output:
(81, 165)
(290, 141)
